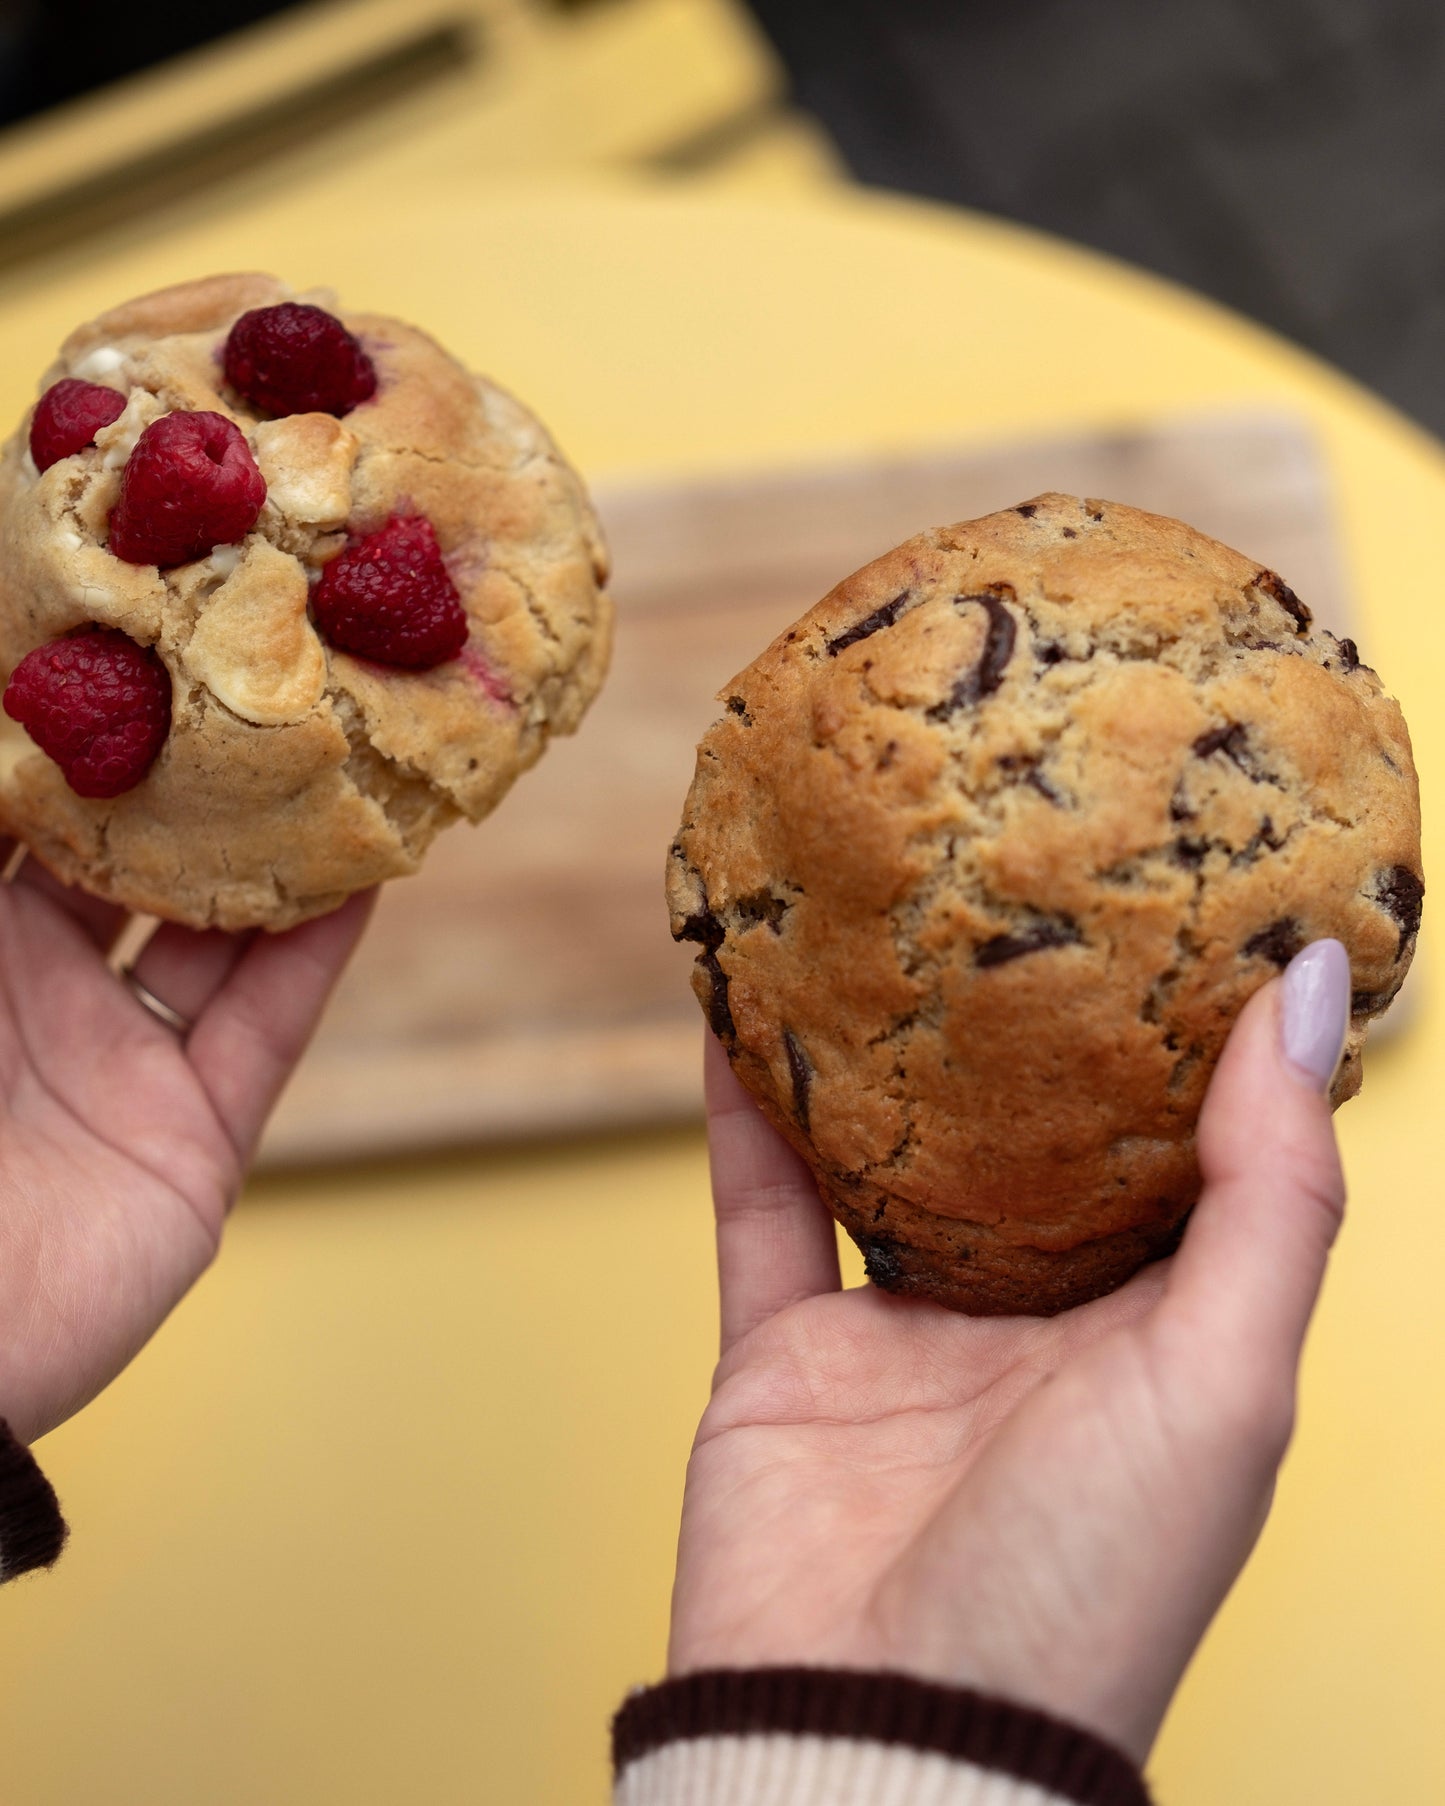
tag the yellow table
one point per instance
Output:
(386, 1512)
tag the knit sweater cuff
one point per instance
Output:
(826, 1737)
(32, 1531)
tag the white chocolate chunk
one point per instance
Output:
(104, 361)
(225, 560)
(253, 647)
(117, 441)
(306, 460)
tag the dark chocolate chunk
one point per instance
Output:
(1232, 740)
(709, 933)
(1184, 1065)
(1278, 943)
(1036, 780)
(1049, 652)
(881, 1262)
(1025, 770)
(1263, 836)
(1028, 510)
(705, 929)
(1350, 656)
(998, 646)
(1401, 894)
(985, 677)
(1276, 587)
(1156, 997)
(870, 624)
(1069, 533)
(1189, 853)
(800, 1068)
(719, 1014)
(763, 906)
(1062, 932)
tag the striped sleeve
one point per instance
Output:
(32, 1531)
(830, 1737)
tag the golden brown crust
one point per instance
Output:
(985, 855)
(204, 305)
(293, 773)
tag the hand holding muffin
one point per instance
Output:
(125, 1140)
(1047, 1511)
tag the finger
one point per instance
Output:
(186, 967)
(1253, 1258)
(100, 922)
(776, 1242)
(251, 1033)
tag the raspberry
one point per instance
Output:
(68, 416)
(297, 359)
(388, 597)
(98, 704)
(190, 484)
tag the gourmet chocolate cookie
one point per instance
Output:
(985, 855)
(283, 590)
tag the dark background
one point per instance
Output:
(1284, 156)
(54, 50)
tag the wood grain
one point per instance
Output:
(525, 983)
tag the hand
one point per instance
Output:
(122, 1141)
(1050, 1510)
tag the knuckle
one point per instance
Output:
(755, 1204)
(1323, 1192)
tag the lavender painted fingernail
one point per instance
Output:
(1315, 1011)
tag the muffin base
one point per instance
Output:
(971, 1268)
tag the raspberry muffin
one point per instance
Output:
(283, 591)
(987, 852)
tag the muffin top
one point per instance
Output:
(300, 762)
(987, 852)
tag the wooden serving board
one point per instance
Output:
(525, 982)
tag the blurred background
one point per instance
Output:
(1287, 158)
(388, 1509)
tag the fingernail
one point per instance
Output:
(1316, 1011)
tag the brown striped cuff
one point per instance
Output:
(792, 1718)
(32, 1531)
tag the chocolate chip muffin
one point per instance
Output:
(987, 852)
(284, 589)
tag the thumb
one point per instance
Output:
(1254, 1255)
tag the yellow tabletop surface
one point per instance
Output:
(386, 1512)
